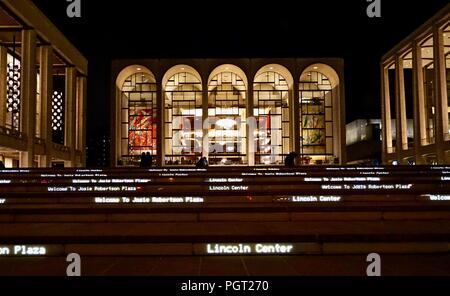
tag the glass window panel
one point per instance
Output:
(270, 89)
(183, 93)
(315, 92)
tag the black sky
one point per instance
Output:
(188, 29)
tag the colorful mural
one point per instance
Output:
(142, 131)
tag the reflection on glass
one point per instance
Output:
(316, 114)
(138, 117)
(271, 111)
(227, 131)
(183, 119)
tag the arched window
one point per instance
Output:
(316, 115)
(271, 111)
(227, 117)
(183, 118)
(138, 117)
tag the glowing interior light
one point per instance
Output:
(13, 91)
(226, 123)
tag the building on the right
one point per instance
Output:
(415, 83)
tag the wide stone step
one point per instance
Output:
(204, 232)
(300, 265)
(225, 216)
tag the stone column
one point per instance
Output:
(160, 125)
(440, 92)
(420, 131)
(3, 94)
(296, 119)
(205, 141)
(46, 81)
(70, 114)
(400, 108)
(28, 97)
(386, 113)
(81, 101)
(251, 125)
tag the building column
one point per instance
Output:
(296, 120)
(46, 72)
(342, 125)
(440, 94)
(420, 131)
(400, 109)
(81, 118)
(160, 155)
(116, 127)
(3, 74)
(251, 126)
(28, 98)
(386, 113)
(205, 141)
(70, 106)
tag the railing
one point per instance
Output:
(11, 133)
(60, 148)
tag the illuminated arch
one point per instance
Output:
(182, 68)
(319, 103)
(182, 115)
(326, 70)
(271, 102)
(130, 70)
(282, 70)
(136, 114)
(227, 113)
(229, 68)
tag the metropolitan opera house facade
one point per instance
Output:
(245, 112)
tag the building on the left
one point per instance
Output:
(42, 91)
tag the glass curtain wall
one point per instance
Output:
(227, 119)
(271, 111)
(183, 119)
(139, 117)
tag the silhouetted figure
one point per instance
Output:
(289, 161)
(143, 158)
(149, 160)
(2, 165)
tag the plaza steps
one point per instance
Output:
(395, 223)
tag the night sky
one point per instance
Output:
(247, 29)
